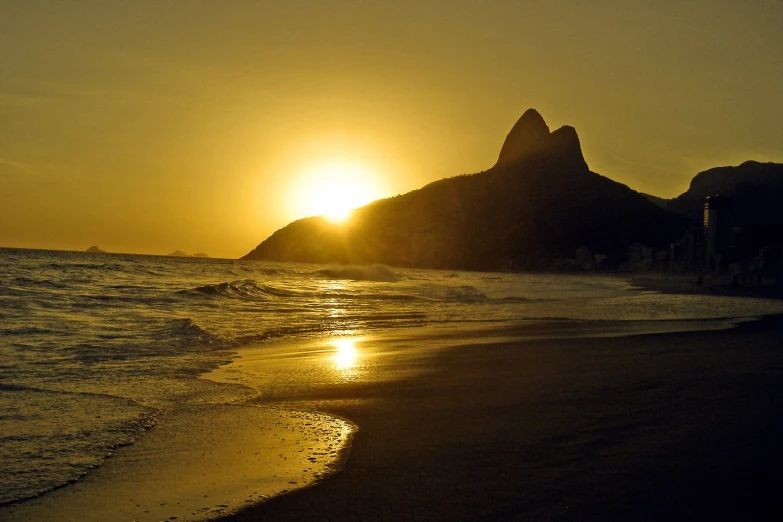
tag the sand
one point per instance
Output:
(680, 426)
(551, 421)
(198, 462)
(707, 285)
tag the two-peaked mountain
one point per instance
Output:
(540, 201)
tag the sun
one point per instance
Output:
(334, 188)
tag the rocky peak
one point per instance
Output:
(531, 135)
(565, 143)
(528, 135)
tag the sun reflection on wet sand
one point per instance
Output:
(346, 354)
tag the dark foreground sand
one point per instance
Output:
(684, 426)
(707, 285)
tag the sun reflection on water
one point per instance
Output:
(346, 355)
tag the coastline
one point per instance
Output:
(199, 461)
(481, 350)
(657, 427)
(547, 419)
(710, 285)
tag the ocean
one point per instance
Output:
(93, 347)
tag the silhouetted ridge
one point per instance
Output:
(529, 134)
(538, 203)
(755, 188)
(565, 142)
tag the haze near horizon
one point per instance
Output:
(147, 127)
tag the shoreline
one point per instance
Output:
(386, 367)
(710, 285)
(655, 426)
(199, 461)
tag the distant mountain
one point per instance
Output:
(95, 250)
(180, 253)
(756, 190)
(661, 202)
(540, 201)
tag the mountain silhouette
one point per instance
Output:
(540, 201)
(529, 135)
(756, 191)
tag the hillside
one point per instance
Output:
(539, 201)
(755, 188)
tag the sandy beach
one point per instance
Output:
(553, 420)
(707, 285)
(679, 426)
(196, 463)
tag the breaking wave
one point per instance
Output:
(190, 334)
(378, 273)
(245, 289)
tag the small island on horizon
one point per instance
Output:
(180, 253)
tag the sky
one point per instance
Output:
(204, 126)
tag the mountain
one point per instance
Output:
(661, 202)
(95, 250)
(756, 190)
(540, 201)
(178, 253)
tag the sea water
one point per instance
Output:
(94, 346)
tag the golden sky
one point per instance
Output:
(150, 126)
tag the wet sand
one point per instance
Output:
(709, 285)
(198, 462)
(679, 426)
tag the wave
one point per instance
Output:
(371, 321)
(49, 457)
(268, 271)
(12, 292)
(188, 332)
(83, 266)
(377, 273)
(27, 330)
(246, 289)
(465, 293)
(460, 294)
(46, 283)
(517, 299)
(470, 295)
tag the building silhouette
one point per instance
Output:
(718, 224)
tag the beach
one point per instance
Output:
(143, 388)
(708, 284)
(672, 426)
(196, 463)
(547, 421)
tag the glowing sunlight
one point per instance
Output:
(334, 188)
(345, 358)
